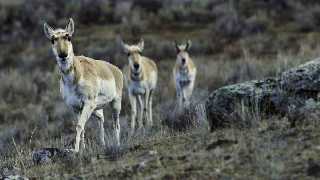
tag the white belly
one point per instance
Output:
(73, 96)
(106, 92)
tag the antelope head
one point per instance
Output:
(61, 43)
(182, 53)
(134, 55)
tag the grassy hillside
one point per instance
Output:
(233, 41)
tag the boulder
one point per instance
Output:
(283, 95)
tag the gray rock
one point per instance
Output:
(49, 155)
(283, 95)
(302, 79)
(10, 172)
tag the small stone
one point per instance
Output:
(15, 177)
(142, 165)
(153, 153)
(217, 170)
(9, 171)
(46, 155)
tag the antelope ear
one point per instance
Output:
(70, 27)
(177, 47)
(141, 45)
(188, 45)
(125, 47)
(48, 30)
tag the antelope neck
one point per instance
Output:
(183, 69)
(68, 74)
(136, 76)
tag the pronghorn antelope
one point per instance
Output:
(184, 73)
(141, 76)
(86, 85)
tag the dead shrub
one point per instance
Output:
(182, 119)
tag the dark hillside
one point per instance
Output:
(232, 42)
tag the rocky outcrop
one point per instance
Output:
(283, 95)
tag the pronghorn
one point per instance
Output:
(141, 77)
(184, 74)
(86, 85)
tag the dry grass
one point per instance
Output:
(39, 130)
(232, 43)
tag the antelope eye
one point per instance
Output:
(53, 39)
(128, 54)
(67, 37)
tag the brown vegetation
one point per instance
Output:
(233, 41)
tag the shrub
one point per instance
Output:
(182, 119)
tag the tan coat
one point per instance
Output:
(86, 85)
(141, 79)
(184, 75)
